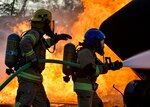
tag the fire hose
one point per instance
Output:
(24, 67)
(138, 61)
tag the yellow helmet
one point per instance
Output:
(42, 15)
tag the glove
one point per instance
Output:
(9, 71)
(115, 65)
(66, 78)
(58, 37)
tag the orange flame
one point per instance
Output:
(95, 12)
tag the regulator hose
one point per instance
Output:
(24, 67)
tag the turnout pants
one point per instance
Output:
(30, 93)
(88, 99)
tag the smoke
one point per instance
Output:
(64, 16)
(7, 23)
(64, 13)
(4, 31)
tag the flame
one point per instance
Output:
(21, 27)
(95, 12)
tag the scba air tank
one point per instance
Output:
(69, 55)
(12, 49)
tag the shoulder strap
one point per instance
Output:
(25, 32)
(37, 43)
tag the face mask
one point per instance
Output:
(100, 51)
(100, 47)
(48, 30)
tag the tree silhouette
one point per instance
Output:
(8, 9)
(22, 11)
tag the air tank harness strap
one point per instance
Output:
(31, 76)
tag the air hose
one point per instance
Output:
(24, 67)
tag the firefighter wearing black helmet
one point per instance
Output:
(33, 47)
(85, 84)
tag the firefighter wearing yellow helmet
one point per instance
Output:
(42, 19)
(47, 15)
(33, 47)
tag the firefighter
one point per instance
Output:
(33, 47)
(85, 84)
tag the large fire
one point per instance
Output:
(95, 12)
